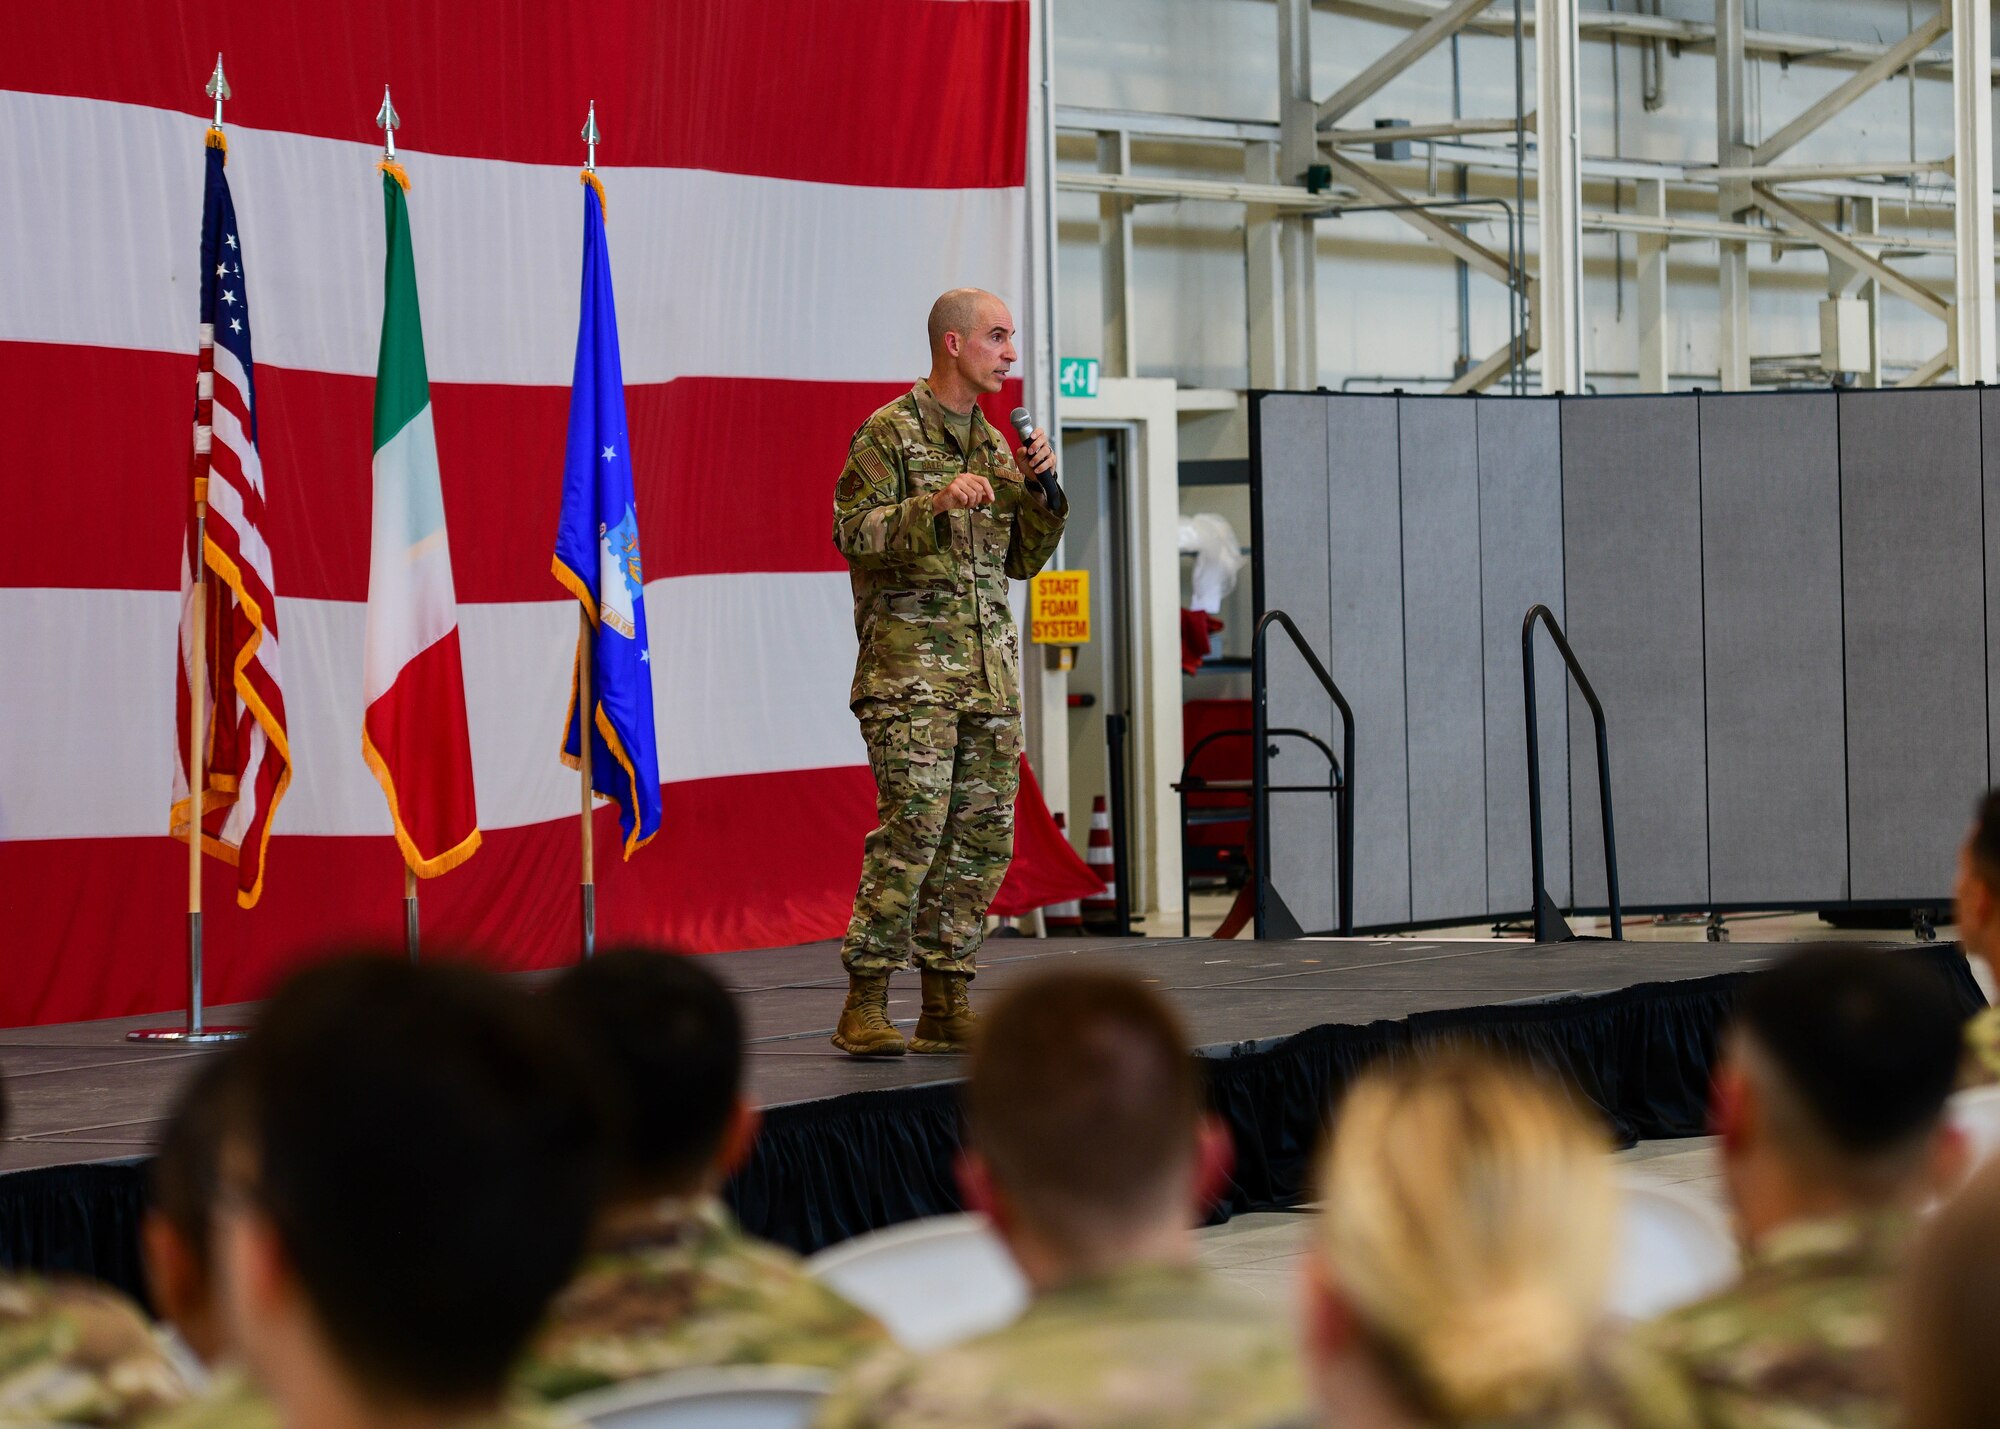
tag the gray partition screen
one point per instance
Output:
(1781, 600)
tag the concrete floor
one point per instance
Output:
(1772, 927)
(1264, 1252)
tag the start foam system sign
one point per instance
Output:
(1059, 608)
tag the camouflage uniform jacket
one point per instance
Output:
(231, 1401)
(1800, 1339)
(689, 1289)
(1982, 1048)
(76, 1353)
(1155, 1346)
(930, 591)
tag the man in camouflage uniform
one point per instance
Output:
(1830, 1104)
(1087, 1148)
(408, 1172)
(671, 1281)
(935, 518)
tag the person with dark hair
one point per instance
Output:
(175, 1234)
(74, 1352)
(409, 1167)
(1947, 1308)
(1087, 1146)
(1829, 1103)
(670, 1281)
(1977, 897)
(178, 1243)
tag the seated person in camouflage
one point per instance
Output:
(1829, 1104)
(1463, 1253)
(177, 1239)
(1087, 1147)
(1978, 916)
(409, 1167)
(1947, 1310)
(670, 1282)
(73, 1352)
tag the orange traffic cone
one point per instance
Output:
(1103, 861)
(1067, 916)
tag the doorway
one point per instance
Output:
(1096, 466)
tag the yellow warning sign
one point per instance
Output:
(1059, 608)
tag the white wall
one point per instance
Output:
(1388, 301)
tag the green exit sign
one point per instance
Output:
(1077, 377)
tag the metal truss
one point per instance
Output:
(1307, 167)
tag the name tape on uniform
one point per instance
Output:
(1059, 608)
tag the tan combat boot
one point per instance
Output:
(948, 1023)
(865, 1030)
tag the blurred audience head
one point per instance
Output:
(1086, 1141)
(1464, 1246)
(1950, 1302)
(409, 1170)
(1978, 891)
(177, 1233)
(1831, 1091)
(668, 1041)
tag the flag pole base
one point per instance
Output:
(589, 921)
(195, 1032)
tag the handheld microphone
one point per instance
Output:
(1024, 425)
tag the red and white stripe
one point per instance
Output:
(245, 763)
(792, 183)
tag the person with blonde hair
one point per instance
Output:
(1464, 1251)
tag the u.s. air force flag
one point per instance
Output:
(597, 556)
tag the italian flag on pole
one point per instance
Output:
(413, 730)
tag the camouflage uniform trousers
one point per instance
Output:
(944, 796)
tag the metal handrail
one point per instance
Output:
(1193, 783)
(1260, 791)
(1540, 891)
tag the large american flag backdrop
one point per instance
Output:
(790, 182)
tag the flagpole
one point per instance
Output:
(586, 703)
(586, 710)
(388, 121)
(197, 687)
(410, 912)
(196, 1028)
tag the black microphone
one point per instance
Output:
(1024, 425)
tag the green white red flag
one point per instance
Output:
(413, 731)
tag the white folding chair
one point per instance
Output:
(736, 1397)
(932, 1282)
(1976, 1113)
(1672, 1250)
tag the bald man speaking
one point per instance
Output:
(934, 514)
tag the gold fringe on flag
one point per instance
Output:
(395, 171)
(216, 140)
(590, 178)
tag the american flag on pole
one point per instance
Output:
(246, 756)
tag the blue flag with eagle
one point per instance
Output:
(597, 557)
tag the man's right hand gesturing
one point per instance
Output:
(967, 489)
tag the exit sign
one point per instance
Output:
(1077, 377)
